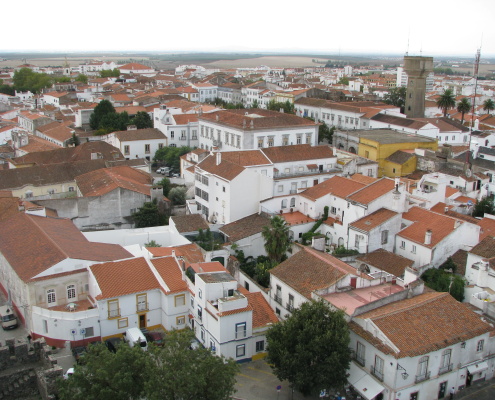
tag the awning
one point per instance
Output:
(475, 368)
(366, 385)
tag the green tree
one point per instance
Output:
(179, 373)
(325, 133)
(148, 215)
(152, 243)
(74, 140)
(262, 272)
(177, 196)
(166, 186)
(7, 89)
(112, 122)
(102, 109)
(110, 73)
(463, 107)
(344, 81)
(62, 79)
(142, 120)
(27, 80)
(397, 97)
(446, 101)
(276, 236)
(310, 348)
(287, 106)
(171, 156)
(255, 104)
(82, 78)
(104, 375)
(489, 105)
(485, 205)
(443, 281)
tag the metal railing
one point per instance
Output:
(289, 307)
(377, 373)
(114, 313)
(422, 377)
(360, 360)
(278, 299)
(142, 306)
(445, 369)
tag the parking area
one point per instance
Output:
(256, 381)
(17, 333)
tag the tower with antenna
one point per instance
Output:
(475, 74)
(417, 70)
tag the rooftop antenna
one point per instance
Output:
(475, 73)
(408, 35)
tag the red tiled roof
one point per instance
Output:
(298, 152)
(487, 226)
(336, 185)
(373, 191)
(225, 169)
(246, 158)
(120, 278)
(373, 220)
(171, 273)
(192, 253)
(263, 314)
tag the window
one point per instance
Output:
(270, 141)
(370, 172)
(378, 368)
(293, 202)
(160, 145)
(445, 361)
(180, 320)
(333, 210)
(358, 240)
(260, 142)
(113, 308)
(422, 368)
(147, 148)
(360, 353)
(29, 194)
(127, 150)
(172, 134)
(384, 237)
(45, 326)
(285, 140)
(280, 188)
(304, 184)
(89, 332)
(479, 346)
(180, 300)
(122, 323)
(240, 330)
(50, 296)
(71, 188)
(299, 139)
(284, 203)
(402, 244)
(367, 154)
(141, 302)
(71, 292)
(240, 350)
(200, 293)
(202, 335)
(413, 250)
(200, 313)
(260, 346)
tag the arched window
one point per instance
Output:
(71, 292)
(341, 241)
(293, 202)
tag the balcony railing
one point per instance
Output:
(278, 299)
(377, 373)
(142, 306)
(422, 377)
(445, 369)
(289, 307)
(114, 313)
(360, 360)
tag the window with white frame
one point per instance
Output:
(260, 346)
(413, 250)
(71, 292)
(402, 244)
(445, 361)
(280, 188)
(50, 296)
(240, 330)
(423, 366)
(293, 202)
(240, 350)
(384, 237)
(480, 345)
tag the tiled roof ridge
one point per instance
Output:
(422, 302)
(33, 219)
(320, 256)
(368, 185)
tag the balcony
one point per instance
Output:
(144, 306)
(289, 307)
(377, 373)
(422, 377)
(281, 175)
(278, 299)
(445, 369)
(360, 360)
(114, 313)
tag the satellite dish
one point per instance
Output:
(468, 173)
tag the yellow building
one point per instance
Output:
(380, 144)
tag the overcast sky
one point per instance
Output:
(433, 27)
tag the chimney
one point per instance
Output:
(446, 210)
(457, 224)
(428, 236)
(173, 253)
(218, 158)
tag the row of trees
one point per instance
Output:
(171, 156)
(446, 101)
(105, 119)
(170, 372)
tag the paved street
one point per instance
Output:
(478, 391)
(17, 333)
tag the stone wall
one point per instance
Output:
(27, 369)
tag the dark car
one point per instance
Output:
(78, 352)
(113, 344)
(154, 337)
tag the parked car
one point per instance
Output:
(69, 372)
(154, 337)
(8, 318)
(163, 170)
(113, 344)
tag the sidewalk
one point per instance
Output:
(484, 390)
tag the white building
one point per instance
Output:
(180, 129)
(137, 143)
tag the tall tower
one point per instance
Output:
(417, 70)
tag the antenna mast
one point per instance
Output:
(476, 69)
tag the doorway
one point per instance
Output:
(441, 390)
(414, 396)
(142, 321)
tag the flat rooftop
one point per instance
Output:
(216, 277)
(352, 299)
(387, 136)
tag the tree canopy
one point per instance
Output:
(148, 215)
(488, 105)
(325, 133)
(26, 79)
(397, 97)
(310, 348)
(443, 281)
(485, 205)
(276, 236)
(171, 372)
(177, 195)
(287, 106)
(110, 73)
(446, 101)
(171, 156)
(463, 107)
(142, 120)
(102, 109)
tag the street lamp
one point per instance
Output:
(405, 375)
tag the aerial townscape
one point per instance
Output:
(268, 231)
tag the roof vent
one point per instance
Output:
(428, 235)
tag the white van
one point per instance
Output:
(134, 336)
(8, 318)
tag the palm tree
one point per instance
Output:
(463, 107)
(276, 237)
(446, 101)
(488, 105)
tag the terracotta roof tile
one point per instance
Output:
(246, 158)
(373, 220)
(373, 191)
(298, 152)
(387, 261)
(487, 226)
(171, 273)
(426, 323)
(50, 240)
(245, 227)
(363, 179)
(336, 185)
(189, 223)
(225, 169)
(485, 248)
(192, 253)
(139, 134)
(263, 314)
(120, 278)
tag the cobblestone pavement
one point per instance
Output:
(478, 391)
